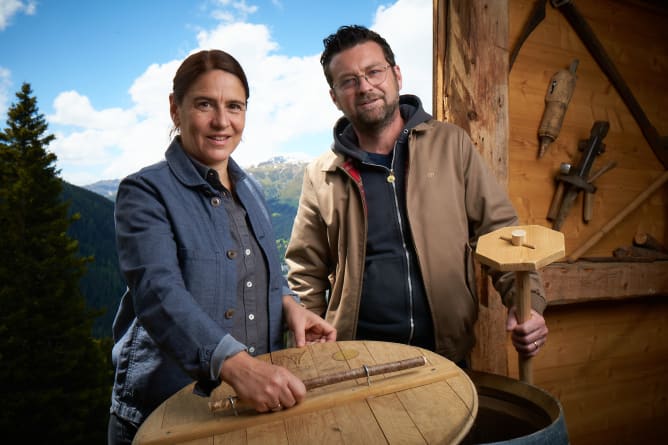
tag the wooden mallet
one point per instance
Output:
(521, 249)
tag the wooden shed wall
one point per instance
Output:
(606, 358)
(636, 38)
(606, 361)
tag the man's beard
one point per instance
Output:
(374, 121)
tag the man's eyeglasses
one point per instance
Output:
(374, 75)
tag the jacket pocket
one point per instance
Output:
(201, 275)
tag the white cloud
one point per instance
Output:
(8, 8)
(234, 10)
(290, 112)
(114, 142)
(5, 85)
(412, 46)
(75, 110)
(288, 96)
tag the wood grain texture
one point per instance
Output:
(590, 281)
(599, 342)
(471, 91)
(606, 362)
(636, 38)
(336, 413)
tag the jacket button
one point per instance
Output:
(215, 201)
(229, 313)
(231, 254)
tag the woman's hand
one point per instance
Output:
(263, 386)
(307, 327)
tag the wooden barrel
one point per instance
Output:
(511, 412)
(431, 404)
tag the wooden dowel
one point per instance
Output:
(357, 373)
(523, 308)
(330, 379)
(644, 239)
(556, 202)
(510, 240)
(587, 207)
(661, 180)
(609, 166)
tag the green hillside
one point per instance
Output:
(102, 285)
(282, 185)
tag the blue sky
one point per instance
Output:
(102, 70)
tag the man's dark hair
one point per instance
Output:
(345, 38)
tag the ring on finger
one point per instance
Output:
(535, 344)
(278, 407)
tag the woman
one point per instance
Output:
(196, 247)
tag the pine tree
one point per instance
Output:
(54, 377)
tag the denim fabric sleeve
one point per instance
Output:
(156, 224)
(288, 291)
(227, 347)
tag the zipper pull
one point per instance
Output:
(390, 177)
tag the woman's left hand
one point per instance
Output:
(307, 327)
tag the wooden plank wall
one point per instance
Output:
(607, 353)
(636, 38)
(470, 48)
(606, 361)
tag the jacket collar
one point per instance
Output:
(183, 167)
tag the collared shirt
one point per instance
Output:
(251, 314)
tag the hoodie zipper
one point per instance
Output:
(391, 179)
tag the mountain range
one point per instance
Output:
(103, 284)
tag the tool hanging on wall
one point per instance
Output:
(588, 203)
(658, 143)
(577, 178)
(558, 96)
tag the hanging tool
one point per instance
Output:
(658, 144)
(564, 169)
(537, 16)
(558, 95)
(588, 203)
(576, 179)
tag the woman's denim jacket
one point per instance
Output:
(176, 254)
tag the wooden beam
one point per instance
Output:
(471, 91)
(610, 280)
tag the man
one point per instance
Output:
(382, 244)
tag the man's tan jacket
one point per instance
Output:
(452, 199)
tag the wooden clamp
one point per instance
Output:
(530, 248)
(577, 178)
